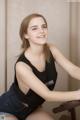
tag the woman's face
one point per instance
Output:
(37, 31)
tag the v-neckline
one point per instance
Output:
(34, 66)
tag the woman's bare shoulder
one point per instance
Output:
(21, 65)
(51, 46)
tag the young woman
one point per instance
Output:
(35, 74)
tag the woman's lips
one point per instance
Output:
(41, 36)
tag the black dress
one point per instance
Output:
(15, 102)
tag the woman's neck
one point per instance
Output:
(35, 51)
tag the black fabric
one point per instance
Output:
(21, 105)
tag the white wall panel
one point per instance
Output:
(2, 46)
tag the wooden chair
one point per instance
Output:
(68, 106)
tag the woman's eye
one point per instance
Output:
(34, 28)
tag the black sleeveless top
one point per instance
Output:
(48, 77)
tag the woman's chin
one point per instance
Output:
(44, 41)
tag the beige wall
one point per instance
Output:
(75, 44)
(75, 38)
(78, 83)
(2, 46)
(79, 34)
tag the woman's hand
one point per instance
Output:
(64, 95)
(77, 94)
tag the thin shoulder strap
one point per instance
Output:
(24, 59)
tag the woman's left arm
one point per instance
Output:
(73, 70)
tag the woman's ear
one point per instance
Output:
(26, 36)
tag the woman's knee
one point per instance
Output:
(7, 117)
(10, 118)
(40, 114)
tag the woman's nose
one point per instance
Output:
(41, 30)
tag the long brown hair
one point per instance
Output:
(23, 31)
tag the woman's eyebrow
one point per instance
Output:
(33, 26)
(36, 25)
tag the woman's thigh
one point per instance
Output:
(7, 116)
(40, 114)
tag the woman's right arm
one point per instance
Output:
(27, 76)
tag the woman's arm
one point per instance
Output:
(26, 75)
(73, 70)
